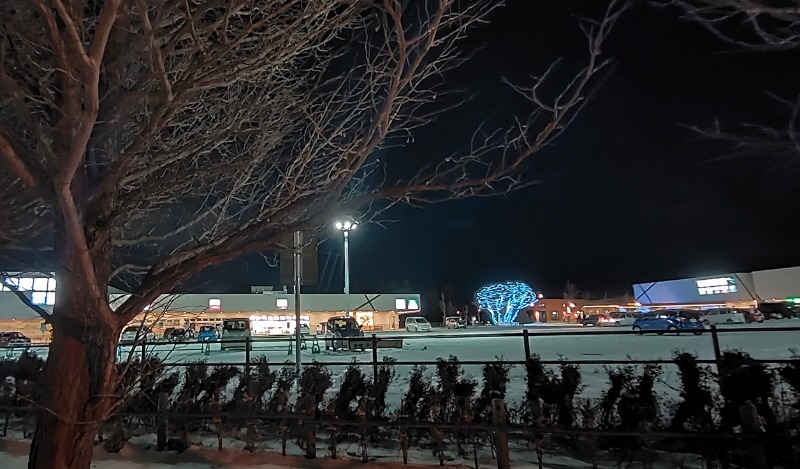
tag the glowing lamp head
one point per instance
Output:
(347, 224)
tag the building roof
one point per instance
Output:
(12, 308)
(760, 285)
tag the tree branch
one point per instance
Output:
(15, 163)
(24, 299)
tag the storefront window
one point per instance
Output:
(365, 319)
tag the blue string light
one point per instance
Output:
(504, 300)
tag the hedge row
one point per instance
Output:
(745, 398)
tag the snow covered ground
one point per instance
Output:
(135, 456)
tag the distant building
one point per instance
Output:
(572, 310)
(551, 310)
(735, 290)
(270, 312)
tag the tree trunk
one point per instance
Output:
(79, 384)
(80, 377)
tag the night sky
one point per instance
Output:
(626, 195)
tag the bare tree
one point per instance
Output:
(571, 291)
(769, 25)
(147, 140)
(763, 24)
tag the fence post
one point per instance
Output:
(527, 344)
(161, 421)
(247, 346)
(374, 358)
(715, 340)
(499, 420)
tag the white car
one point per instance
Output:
(417, 324)
(623, 319)
(722, 316)
(135, 334)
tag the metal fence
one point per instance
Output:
(371, 343)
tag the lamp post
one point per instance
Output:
(346, 225)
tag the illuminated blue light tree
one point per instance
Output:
(505, 300)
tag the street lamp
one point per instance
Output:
(346, 225)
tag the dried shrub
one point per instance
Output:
(693, 412)
(618, 380)
(353, 388)
(21, 379)
(744, 381)
(314, 383)
(495, 382)
(567, 389)
(380, 386)
(791, 375)
(201, 394)
(541, 393)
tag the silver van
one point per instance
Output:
(234, 329)
(417, 324)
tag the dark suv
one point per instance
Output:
(178, 334)
(338, 328)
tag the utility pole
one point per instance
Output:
(298, 278)
(347, 272)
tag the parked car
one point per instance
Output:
(339, 328)
(683, 313)
(233, 330)
(598, 320)
(722, 316)
(664, 324)
(136, 334)
(623, 319)
(207, 334)
(454, 322)
(417, 324)
(752, 315)
(777, 310)
(14, 339)
(177, 334)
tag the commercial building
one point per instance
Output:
(551, 310)
(274, 312)
(572, 310)
(734, 290)
(270, 312)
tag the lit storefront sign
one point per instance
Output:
(282, 303)
(365, 319)
(402, 304)
(276, 325)
(214, 304)
(716, 286)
